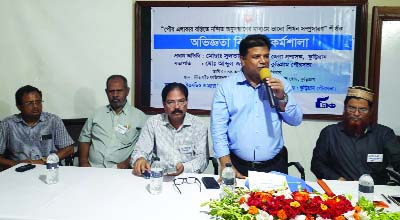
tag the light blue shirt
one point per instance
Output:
(242, 121)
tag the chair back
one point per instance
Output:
(298, 166)
(74, 127)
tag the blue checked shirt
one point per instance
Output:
(24, 142)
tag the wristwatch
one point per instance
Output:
(285, 98)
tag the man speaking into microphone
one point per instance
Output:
(248, 110)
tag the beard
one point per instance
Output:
(115, 103)
(355, 126)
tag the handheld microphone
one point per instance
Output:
(265, 73)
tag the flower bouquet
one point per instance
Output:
(282, 204)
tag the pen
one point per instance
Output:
(387, 200)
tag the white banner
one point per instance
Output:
(312, 47)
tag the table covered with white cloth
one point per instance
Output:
(95, 193)
(99, 193)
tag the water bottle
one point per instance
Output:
(366, 187)
(34, 155)
(52, 169)
(156, 179)
(228, 178)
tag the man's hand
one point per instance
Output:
(124, 164)
(227, 159)
(32, 161)
(179, 169)
(36, 162)
(238, 174)
(342, 179)
(84, 154)
(6, 163)
(140, 166)
(279, 91)
(84, 164)
(277, 87)
(24, 161)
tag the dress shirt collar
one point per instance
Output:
(241, 79)
(123, 111)
(186, 120)
(18, 118)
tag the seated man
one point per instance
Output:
(346, 150)
(178, 138)
(108, 137)
(29, 137)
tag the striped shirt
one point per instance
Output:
(187, 144)
(24, 142)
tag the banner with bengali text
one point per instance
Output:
(311, 46)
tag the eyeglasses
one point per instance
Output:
(188, 180)
(352, 109)
(32, 103)
(172, 103)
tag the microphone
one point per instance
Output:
(265, 73)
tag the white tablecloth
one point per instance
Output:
(95, 193)
(98, 193)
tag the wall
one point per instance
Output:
(65, 48)
(69, 48)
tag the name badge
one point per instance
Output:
(46, 137)
(373, 158)
(121, 129)
(185, 149)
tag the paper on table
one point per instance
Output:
(266, 181)
(293, 182)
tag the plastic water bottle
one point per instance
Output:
(34, 155)
(228, 178)
(52, 169)
(156, 179)
(366, 187)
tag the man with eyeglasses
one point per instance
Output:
(355, 146)
(178, 138)
(108, 137)
(29, 137)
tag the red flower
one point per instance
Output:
(301, 196)
(301, 203)
(312, 206)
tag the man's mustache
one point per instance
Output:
(177, 111)
(355, 118)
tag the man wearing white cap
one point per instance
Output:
(355, 146)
